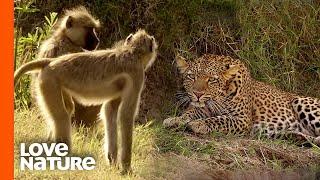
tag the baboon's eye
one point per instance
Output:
(89, 28)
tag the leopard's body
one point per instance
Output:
(223, 97)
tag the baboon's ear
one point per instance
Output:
(69, 22)
(129, 38)
(231, 71)
(181, 63)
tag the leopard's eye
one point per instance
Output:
(191, 76)
(213, 79)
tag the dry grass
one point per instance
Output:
(164, 154)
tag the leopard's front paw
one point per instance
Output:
(199, 127)
(317, 141)
(172, 122)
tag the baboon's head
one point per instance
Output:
(145, 44)
(80, 27)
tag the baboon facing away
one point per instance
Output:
(75, 31)
(113, 78)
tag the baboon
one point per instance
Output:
(112, 77)
(74, 32)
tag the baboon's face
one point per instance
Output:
(82, 35)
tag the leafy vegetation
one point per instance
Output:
(26, 48)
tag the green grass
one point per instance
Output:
(280, 43)
(159, 153)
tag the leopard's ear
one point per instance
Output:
(233, 81)
(231, 71)
(181, 63)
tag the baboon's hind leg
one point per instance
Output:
(109, 114)
(127, 112)
(52, 105)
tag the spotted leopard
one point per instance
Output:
(222, 96)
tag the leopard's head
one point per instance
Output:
(207, 78)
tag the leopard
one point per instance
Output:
(221, 96)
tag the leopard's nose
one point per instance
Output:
(198, 94)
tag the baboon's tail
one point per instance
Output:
(33, 65)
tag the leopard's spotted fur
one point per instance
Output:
(223, 97)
